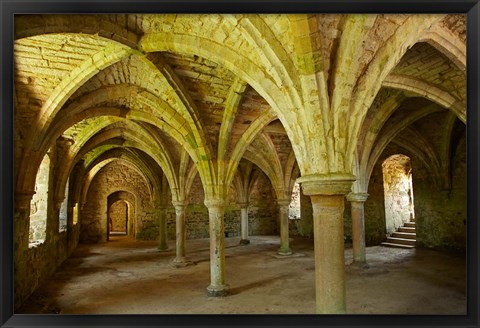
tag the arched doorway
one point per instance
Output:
(120, 214)
(118, 218)
(39, 205)
(398, 191)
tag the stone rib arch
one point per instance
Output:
(429, 91)
(446, 151)
(233, 102)
(382, 141)
(244, 181)
(186, 106)
(186, 174)
(276, 164)
(36, 24)
(84, 109)
(292, 171)
(423, 150)
(138, 161)
(259, 33)
(104, 58)
(379, 67)
(264, 166)
(93, 172)
(239, 64)
(250, 134)
(446, 43)
(139, 140)
(190, 178)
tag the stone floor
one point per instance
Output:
(124, 276)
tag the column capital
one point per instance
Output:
(215, 202)
(326, 184)
(360, 197)
(65, 141)
(179, 203)
(242, 204)
(283, 202)
(23, 199)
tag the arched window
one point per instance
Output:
(294, 207)
(62, 220)
(398, 188)
(75, 214)
(38, 205)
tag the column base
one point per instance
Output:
(359, 265)
(244, 241)
(217, 291)
(163, 248)
(181, 262)
(284, 251)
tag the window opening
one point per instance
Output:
(39, 205)
(294, 207)
(398, 189)
(62, 220)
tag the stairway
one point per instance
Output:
(404, 237)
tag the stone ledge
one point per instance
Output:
(278, 256)
(326, 184)
(357, 197)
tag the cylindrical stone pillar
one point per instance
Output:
(180, 259)
(162, 240)
(244, 224)
(284, 233)
(327, 193)
(216, 208)
(357, 201)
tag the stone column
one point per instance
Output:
(216, 208)
(21, 224)
(244, 224)
(357, 201)
(283, 219)
(180, 259)
(22, 220)
(162, 243)
(327, 193)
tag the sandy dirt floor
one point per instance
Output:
(128, 277)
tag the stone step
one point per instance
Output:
(407, 229)
(406, 235)
(397, 245)
(409, 224)
(403, 241)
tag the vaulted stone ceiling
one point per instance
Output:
(181, 94)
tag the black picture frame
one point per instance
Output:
(10, 7)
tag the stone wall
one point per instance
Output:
(261, 219)
(114, 177)
(262, 210)
(375, 230)
(439, 214)
(47, 256)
